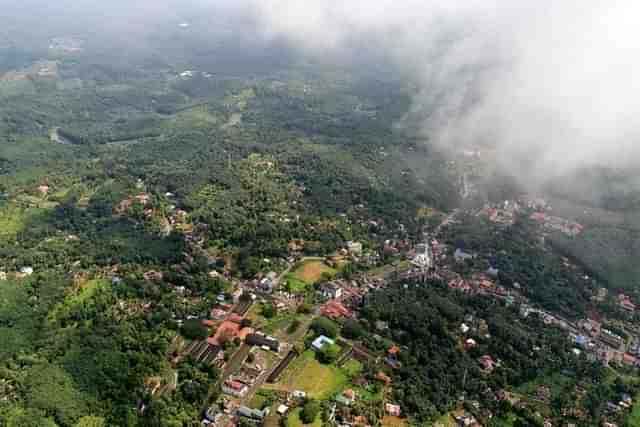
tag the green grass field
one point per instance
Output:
(352, 368)
(279, 323)
(295, 284)
(633, 420)
(317, 380)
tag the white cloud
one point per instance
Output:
(551, 84)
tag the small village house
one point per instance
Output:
(320, 342)
(470, 343)
(392, 409)
(235, 388)
(487, 363)
(260, 340)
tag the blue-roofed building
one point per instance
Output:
(581, 340)
(320, 342)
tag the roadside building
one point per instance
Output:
(611, 339)
(254, 414)
(261, 340)
(235, 388)
(331, 290)
(335, 310)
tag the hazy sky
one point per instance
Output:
(551, 83)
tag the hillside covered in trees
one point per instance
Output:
(139, 190)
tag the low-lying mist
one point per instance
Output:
(550, 85)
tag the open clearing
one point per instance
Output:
(13, 220)
(317, 380)
(311, 271)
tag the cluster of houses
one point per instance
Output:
(556, 223)
(625, 303)
(505, 213)
(142, 198)
(341, 414)
(343, 297)
(479, 328)
(482, 283)
(230, 411)
(263, 283)
(603, 344)
(250, 373)
(422, 257)
(228, 325)
(599, 343)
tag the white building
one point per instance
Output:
(331, 290)
(354, 248)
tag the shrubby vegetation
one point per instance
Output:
(310, 411)
(324, 326)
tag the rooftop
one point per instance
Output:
(319, 342)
